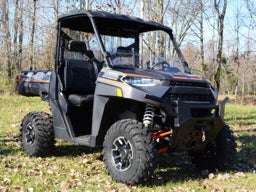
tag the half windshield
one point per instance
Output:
(151, 50)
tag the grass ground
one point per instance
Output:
(78, 168)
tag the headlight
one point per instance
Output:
(141, 82)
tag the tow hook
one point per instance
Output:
(203, 134)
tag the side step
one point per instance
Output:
(83, 140)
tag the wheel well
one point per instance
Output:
(117, 109)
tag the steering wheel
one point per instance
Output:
(165, 66)
(162, 65)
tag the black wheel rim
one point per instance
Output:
(122, 154)
(30, 134)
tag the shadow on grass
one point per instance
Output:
(9, 144)
(9, 151)
(246, 147)
(174, 168)
(178, 167)
(73, 150)
(171, 168)
(249, 120)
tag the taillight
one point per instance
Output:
(19, 78)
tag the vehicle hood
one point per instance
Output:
(162, 75)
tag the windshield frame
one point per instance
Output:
(104, 23)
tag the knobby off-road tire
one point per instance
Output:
(129, 152)
(37, 135)
(219, 155)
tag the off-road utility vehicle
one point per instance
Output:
(117, 85)
(34, 83)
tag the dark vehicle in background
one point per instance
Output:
(34, 83)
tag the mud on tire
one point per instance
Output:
(36, 133)
(128, 152)
(219, 155)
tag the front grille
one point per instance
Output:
(189, 91)
(188, 97)
(190, 84)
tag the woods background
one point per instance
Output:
(218, 37)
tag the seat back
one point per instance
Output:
(75, 50)
(79, 77)
(77, 46)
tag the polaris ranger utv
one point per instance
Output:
(117, 85)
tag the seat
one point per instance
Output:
(79, 77)
(79, 82)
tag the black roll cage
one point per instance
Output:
(104, 23)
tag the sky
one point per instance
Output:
(45, 17)
(238, 17)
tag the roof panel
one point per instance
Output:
(108, 24)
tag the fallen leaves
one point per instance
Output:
(211, 176)
(225, 176)
(222, 176)
(180, 189)
(64, 186)
(77, 168)
(6, 182)
(240, 174)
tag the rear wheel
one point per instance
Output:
(128, 152)
(219, 154)
(36, 132)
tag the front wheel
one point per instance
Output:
(128, 152)
(37, 135)
(219, 155)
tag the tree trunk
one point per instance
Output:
(21, 32)
(151, 37)
(201, 21)
(7, 38)
(18, 36)
(32, 35)
(56, 9)
(221, 17)
(160, 18)
(237, 28)
(142, 14)
(15, 33)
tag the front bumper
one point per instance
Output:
(196, 124)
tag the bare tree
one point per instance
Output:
(251, 6)
(15, 33)
(154, 10)
(182, 16)
(18, 35)
(221, 11)
(56, 6)
(21, 33)
(237, 57)
(32, 35)
(7, 38)
(201, 38)
(86, 4)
